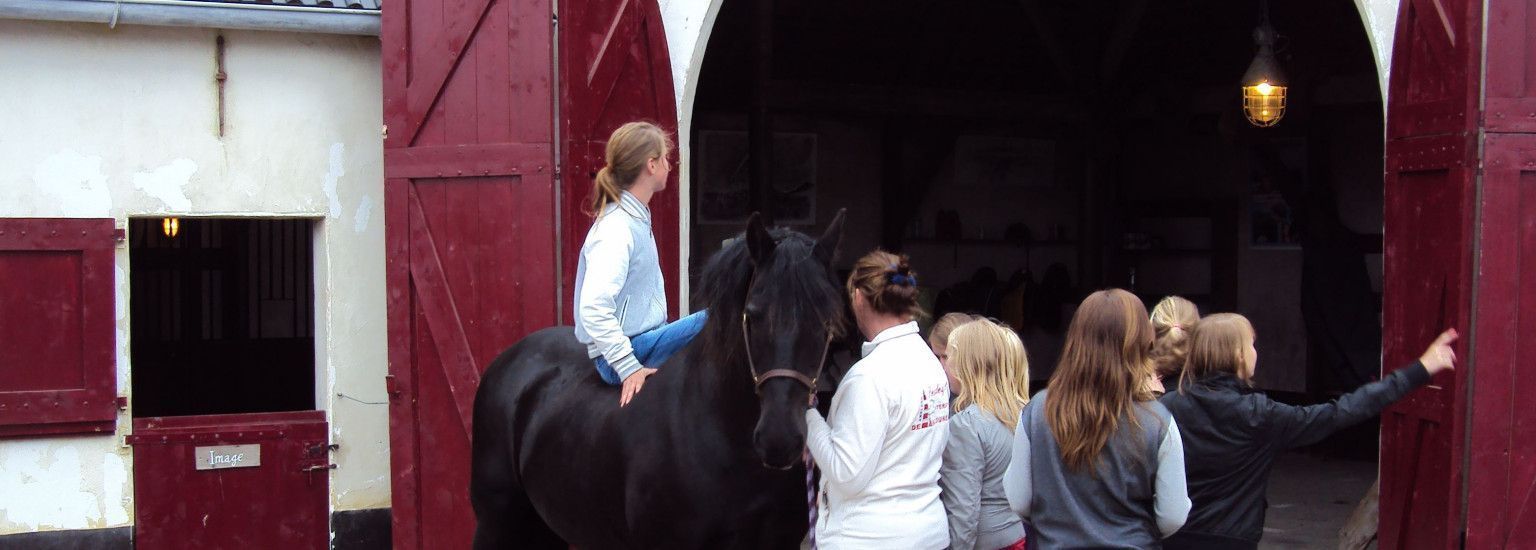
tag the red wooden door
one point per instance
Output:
(1429, 206)
(614, 69)
(268, 487)
(1501, 474)
(470, 231)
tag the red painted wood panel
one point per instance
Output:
(614, 69)
(1511, 84)
(470, 231)
(1430, 205)
(57, 326)
(1502, 474)
(178, 506)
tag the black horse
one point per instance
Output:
(707, 456)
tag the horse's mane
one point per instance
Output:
(800, 287)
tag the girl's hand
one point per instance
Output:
(633, 383)
(1440, 356)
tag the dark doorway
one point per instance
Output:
(222, 316)
(1025, 154)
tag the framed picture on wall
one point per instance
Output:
(1271, 219)
(1000, 161)
(724, 170)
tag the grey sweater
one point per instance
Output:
(1135, 498)
(971, 481)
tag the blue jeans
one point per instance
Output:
(656, 345)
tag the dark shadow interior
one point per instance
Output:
(222, 316)
(1027, 153)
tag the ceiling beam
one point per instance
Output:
(817, 97)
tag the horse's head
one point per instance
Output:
(774, 307)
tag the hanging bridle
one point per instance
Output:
(759, 378)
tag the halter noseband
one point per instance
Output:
(759, 378)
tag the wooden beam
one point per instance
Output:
(1120, 40)
(815, 97)
(1053, 48)
(760, 121)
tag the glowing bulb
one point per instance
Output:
(171, 226)
(1264, 88)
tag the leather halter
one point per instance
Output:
(759, 378)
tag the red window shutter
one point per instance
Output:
(57, 326)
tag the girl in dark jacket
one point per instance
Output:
(1232, 434)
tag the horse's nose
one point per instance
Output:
(778, 451)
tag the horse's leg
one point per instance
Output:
(508, 520)
(504, 517)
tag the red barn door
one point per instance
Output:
(1501, 474)
(1429, 206)
(614, 69)
(470, 231)
(479, 224)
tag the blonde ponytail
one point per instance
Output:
(629, 149)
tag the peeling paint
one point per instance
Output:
(364, 210)
(44, 485)
(72, 183)
(168, 183)
(115, 501)
(335, 169)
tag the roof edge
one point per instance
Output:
(347, 21)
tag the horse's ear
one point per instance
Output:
(760, 244)
(826, 246)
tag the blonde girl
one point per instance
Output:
(1172, 321)
(990, 370)
(1232, 434)
(938, 339)
(621, 300)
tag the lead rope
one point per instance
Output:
(810, 497)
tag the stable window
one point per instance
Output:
(223, 316)
(57, 331)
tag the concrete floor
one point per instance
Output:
(1310, 498)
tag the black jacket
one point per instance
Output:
(1232, 435)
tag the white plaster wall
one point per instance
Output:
(96, 122)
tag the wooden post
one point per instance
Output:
(760, 123)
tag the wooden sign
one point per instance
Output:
(227, 456)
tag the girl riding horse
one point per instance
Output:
(707, 457)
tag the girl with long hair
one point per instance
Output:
(1097, 462)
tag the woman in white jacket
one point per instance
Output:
(880, 450)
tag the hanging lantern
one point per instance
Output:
(172, 226)
(1264, 83)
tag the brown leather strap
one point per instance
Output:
(787, 373)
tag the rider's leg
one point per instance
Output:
(654, 347)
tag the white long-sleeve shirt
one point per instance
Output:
(880, 451)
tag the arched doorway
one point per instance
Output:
(1024, 154)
